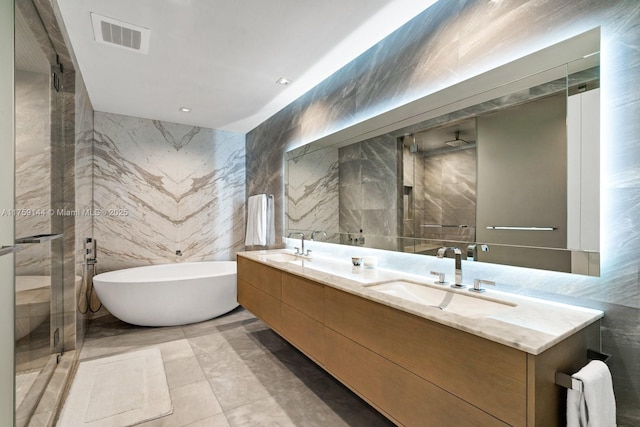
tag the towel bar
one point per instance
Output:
(508, 227)
(444, 226)
(567, 381)
(38, 238)
(4, 250)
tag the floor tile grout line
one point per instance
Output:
(231, 332)
(208, 382)
(224, 411)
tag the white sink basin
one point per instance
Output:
(281, 257)
(335, 267)
(443, 299)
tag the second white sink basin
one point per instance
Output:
(443, 299)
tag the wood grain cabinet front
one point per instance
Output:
(265, 278)
(415, 371)
(402, 396)
(303, 315)
(486, 374)
(259, 291)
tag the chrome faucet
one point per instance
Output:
(472, 250)
(298, 251)
(457, 253)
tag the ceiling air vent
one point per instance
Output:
(117, 33)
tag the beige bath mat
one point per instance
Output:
(121, 390)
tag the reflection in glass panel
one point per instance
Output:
(508, 169)
(442, 184)
(39, 162)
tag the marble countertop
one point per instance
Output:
(532, 325)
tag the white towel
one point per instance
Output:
(271, 224)
(595, 406)
(256, 221)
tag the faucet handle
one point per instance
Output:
(297, 250)
(441, 277)
(477, 282)
(308, 252)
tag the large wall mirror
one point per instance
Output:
(504, 165)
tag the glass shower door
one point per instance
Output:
(39, 173)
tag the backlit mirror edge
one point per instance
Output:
(457, 95)
(462, 95)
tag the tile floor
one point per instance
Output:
(24, 381)
(235, 371)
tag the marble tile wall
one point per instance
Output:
(56, 175)
(446, 195)
(41, 14)
(457, 39)
(370, 201)
(83, 203)
(161, 187)
(53, 165)
(33, 169)
(412, 173)
(312, 191)
(63, 201)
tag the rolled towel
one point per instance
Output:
(595, 406)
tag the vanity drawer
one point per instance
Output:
(403, 396)
(305, 295)
(265, 278)
(484, 373)
(261, 304)
(305, 333)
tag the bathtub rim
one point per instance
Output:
(124, 275)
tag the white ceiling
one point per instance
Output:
(221, 58)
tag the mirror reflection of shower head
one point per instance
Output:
(457, 142)
(413, 148)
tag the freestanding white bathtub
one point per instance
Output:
(169, 294)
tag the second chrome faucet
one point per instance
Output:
(457, 253)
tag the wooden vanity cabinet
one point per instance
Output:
(483, 373)
(303, 315)
(415, 371)
(260, 290)
(401, 395)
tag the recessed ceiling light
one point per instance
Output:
(283, 81)
(184, 109)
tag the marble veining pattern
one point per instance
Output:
(166, 187)
(51, 126)
(446, 195)
(312, 191)
(519, 327)
(474, 36)
(33, 169)
(369, 197)
(77, 310)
